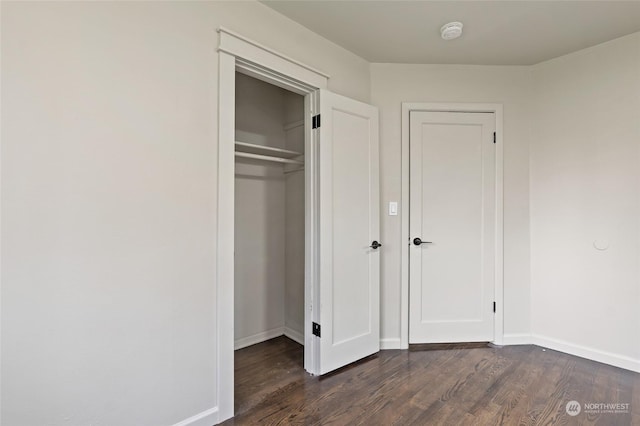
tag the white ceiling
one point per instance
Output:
(495, 32)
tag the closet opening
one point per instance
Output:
(269, 262)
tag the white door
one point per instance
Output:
(452, 211)
(349, 272)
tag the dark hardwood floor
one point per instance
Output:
(513, 385)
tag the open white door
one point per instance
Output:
(347, 307)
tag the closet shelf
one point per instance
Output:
(250, 148)
(268, 158)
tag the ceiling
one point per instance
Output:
(495, 32)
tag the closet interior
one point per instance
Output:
(269, 213)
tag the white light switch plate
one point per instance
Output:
(393, 208)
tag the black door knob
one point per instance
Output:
(417, 241)
(374, 245)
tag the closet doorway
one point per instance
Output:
(269, 213)
(269, 263)
(342, 244)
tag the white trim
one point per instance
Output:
(225, 236)
(390, 344)
(239, 53)
(256, 53)
(1, 233)
(206, 418)
(294, 335)
(311, 233)
(498, 336)
(616, 360)
(404, 227)
(263, 336)
(407, 107)
(586, 352)
(273, 77)
(516, 339)
(248, 41)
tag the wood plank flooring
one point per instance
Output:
(513, 385)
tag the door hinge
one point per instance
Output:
(494, 307)
(315, 121)
(316, 329)
(494, 137)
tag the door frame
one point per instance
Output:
(238, 53)
(497, 109)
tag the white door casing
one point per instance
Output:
(453, 208)
(237, 53)
(348, 308)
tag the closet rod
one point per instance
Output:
(267, 158)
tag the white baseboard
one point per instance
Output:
(258, 338)
(589, 353)
(294, 335)
(572, 349)
(516, 339)
(390, 344)
(206, 418)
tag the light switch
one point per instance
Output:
(393, 208)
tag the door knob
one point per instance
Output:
(417, 241)
(374, 245)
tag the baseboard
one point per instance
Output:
(206, 418)
(516, 339)
(390, 344)
(294, 335)
(258, 338)
(589, 353)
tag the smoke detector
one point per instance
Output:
(451, 30)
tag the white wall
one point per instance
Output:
(392, 84)
(108, 197)
(108, 202)
(260, 216)
(585, 189)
